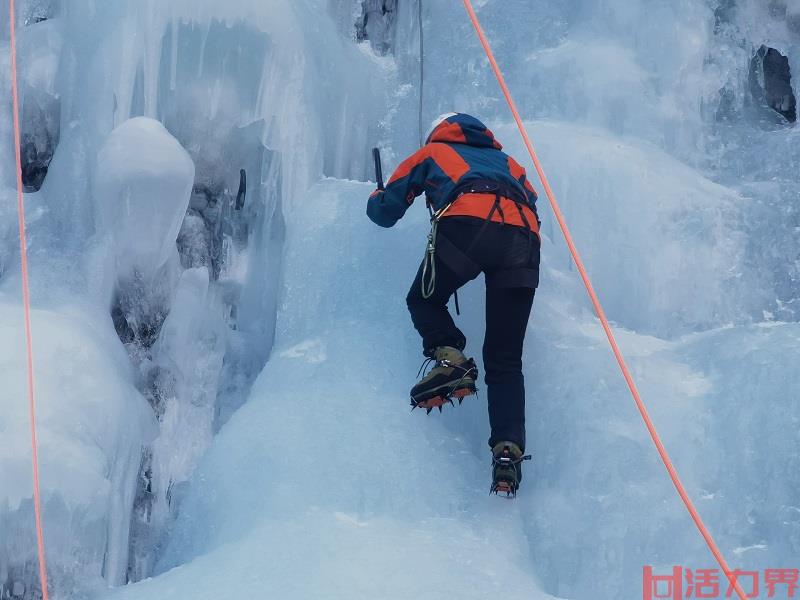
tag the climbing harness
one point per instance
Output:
(429, 261)
(662, 451)
(458, 260)
(26, 303)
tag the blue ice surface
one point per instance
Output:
(325, 485)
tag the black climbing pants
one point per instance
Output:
(499, 251)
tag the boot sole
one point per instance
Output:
(454, 388)
(443, 394)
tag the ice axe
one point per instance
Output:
(376, 156)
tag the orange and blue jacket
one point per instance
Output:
(459, 150)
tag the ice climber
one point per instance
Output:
(484, 220)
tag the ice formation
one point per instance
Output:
(93, 425)
(222, 347)
(142, 184)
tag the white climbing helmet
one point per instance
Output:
(437, 121)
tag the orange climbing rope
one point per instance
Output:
(26, 302)
(662, 452)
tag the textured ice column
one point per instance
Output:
(191, 345)
(188, 357)
(92, 425)
(345, 14)
(377, 24)
(142, 186)
(39, 52)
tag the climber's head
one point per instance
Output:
(461, 128)
(436, 122)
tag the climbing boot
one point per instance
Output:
(452, 376)
(507, 461)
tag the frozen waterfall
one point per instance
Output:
(222, 347)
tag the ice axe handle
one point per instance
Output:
(376, 155)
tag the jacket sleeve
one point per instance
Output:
(386, 207)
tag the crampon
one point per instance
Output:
(460, 389)
(506, 473)
(442, 398)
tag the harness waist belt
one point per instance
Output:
(479, 205)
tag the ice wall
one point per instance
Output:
(753, 147)
(686, 254)
(229, 85)
(648, 84)
(643, 219)
(675, 76)
(682, 192)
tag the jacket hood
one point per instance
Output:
(464, 129)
